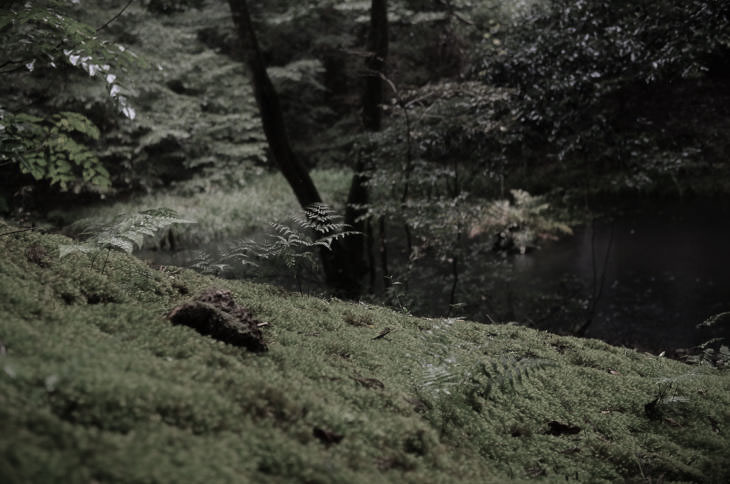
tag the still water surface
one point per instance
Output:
(668, 269)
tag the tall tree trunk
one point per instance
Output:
(355, 211)
(340, 263)
(270, 109)
(372, 111)
(375, 63)
(372, 100)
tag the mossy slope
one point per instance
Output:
(97, 386)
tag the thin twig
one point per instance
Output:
(19, 231)
(598, 281)
(119, 14)
(594, 272)
(383, 333)
(371, 255)
(383, 249)
(103, 267)
(605, 265)
(454, 281)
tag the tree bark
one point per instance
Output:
(375, 63)
(355, 211)
(372, 101)
(372, 111)
(340, 264)
(270, 109)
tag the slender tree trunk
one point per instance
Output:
(358, 196)
(372, 111)
(340, 263)
(371, 255)
(375, 63)
(270, 109)
(355, 211)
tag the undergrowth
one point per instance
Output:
(127, 233)
(291, 249)
(219, 213)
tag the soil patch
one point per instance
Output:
(214, 313)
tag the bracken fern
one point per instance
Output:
(445, 372)
(505, 373)
(290, 248)
(125, 234)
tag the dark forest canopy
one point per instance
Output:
(634, 87)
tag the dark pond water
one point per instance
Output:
(667, 270)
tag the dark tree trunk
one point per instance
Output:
(355, 212)
(358, 197)
(375, 64)
(341, 263)
(270, 109)
(372, 114)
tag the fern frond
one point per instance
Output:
(326, 242)
(284, 231)
(291, 247)
(517, 225)
(239, 249)
(506, 373)
(439, 378)
(68, 249)
(440, 370)
(128, 232)
(320, 218)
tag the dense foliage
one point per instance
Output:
(607, 84)
(41, 136)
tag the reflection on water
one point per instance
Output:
(666, 272)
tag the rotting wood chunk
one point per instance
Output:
(214, 313)
(327, 437)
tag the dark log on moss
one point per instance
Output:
(214, 313)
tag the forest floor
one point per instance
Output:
(98, 385)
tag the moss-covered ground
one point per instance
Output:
(96, 385)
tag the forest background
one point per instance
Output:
(448, 135)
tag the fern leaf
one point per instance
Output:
(326, 242)
(68, 249)
(506, 373)
(291, 247)
(129, 232)
(111, 241)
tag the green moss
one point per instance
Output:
(95, 384)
